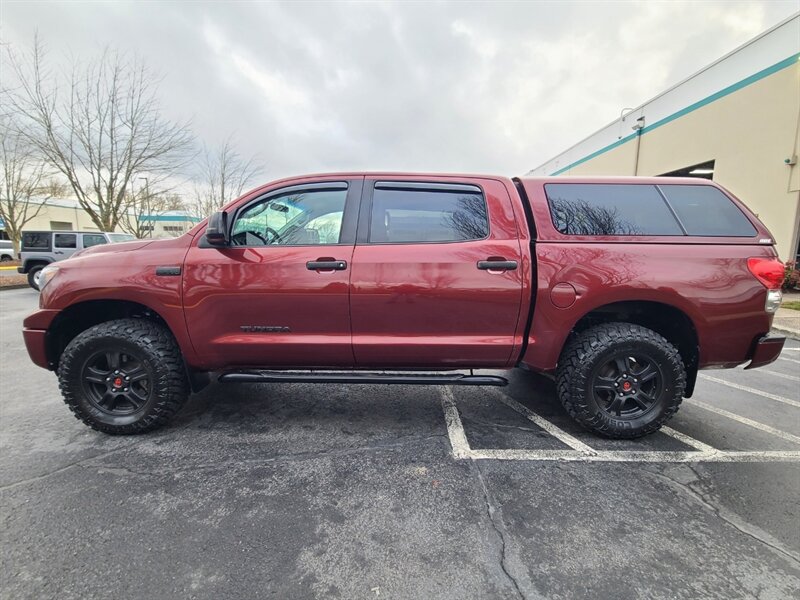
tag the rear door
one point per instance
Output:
(64, 245)
(437, 274)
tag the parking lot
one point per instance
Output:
(303, 491)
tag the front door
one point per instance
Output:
(279, 294)
(437, 275)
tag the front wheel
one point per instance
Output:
(124, 376)
(620, 380)
(34, 276)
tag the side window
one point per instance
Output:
(92, 239)
(427, 215)
(36, 241)
(65, 240)
(609, 209)
(305, 218)
(706, 211)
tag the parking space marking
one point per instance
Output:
(688, 440)
(455, 428)
(789, 359)
(750, 390)
(639, 456)
(781, 375)
(581, 452)
(745, 421)
(543, 423)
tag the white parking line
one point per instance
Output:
(791, 349)
(781, 375)
(745, 421)
(688, 440)
(581, 452)
(789, 359)
(549, 427)
(455, 428)
(750, 390)
(639, 457)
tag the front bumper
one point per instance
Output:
(765, 351)
(34, 333)
(21, 269)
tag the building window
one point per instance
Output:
(703, 171)
(60, 225)
(173, 228)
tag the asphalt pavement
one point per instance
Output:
(344, 491)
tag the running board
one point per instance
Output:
(351, 377)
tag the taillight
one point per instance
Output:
(769, 271)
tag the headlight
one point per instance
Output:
(46, 275)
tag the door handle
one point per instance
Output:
(497, 265)
(326, 265)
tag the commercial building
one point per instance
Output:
(66, 214)
(737, 121)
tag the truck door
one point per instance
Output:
(279, 294)
(437, 274)
(64, 245)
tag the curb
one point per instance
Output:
(790, 333)
(21, 286)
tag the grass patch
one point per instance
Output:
(793, 304)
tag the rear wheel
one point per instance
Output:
(34, 275)
(123, 377)
(621, 380)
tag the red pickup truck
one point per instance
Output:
(622, 288)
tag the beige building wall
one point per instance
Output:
(748, 133)
(54, 216)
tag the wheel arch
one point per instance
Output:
(665, 319)
(78, 317)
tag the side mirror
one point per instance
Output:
(217, 229)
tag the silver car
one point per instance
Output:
(40, 248)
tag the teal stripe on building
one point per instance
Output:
(787, 62)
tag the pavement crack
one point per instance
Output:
(497, 524)
(729, 517)
(282, 458)
(66, 467)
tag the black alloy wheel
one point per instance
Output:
(627, 387)
(116, 383)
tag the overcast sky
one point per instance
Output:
(434, 86)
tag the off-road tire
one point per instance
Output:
(168, 386)
(586, 351)
(32, 276)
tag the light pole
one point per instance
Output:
(146, 206)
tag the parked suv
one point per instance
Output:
(622, 288)
(40, 248)
(6, 251)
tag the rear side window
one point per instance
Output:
(706, 211)
(418, 215)
(36, 240)
(65, 240)
(609, 209)
(93, 239)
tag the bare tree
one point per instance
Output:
(144, 207)
(21, 177)
(223, 176)
(103, 131)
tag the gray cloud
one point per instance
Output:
(487, 87)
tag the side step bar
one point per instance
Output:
(356, 377)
